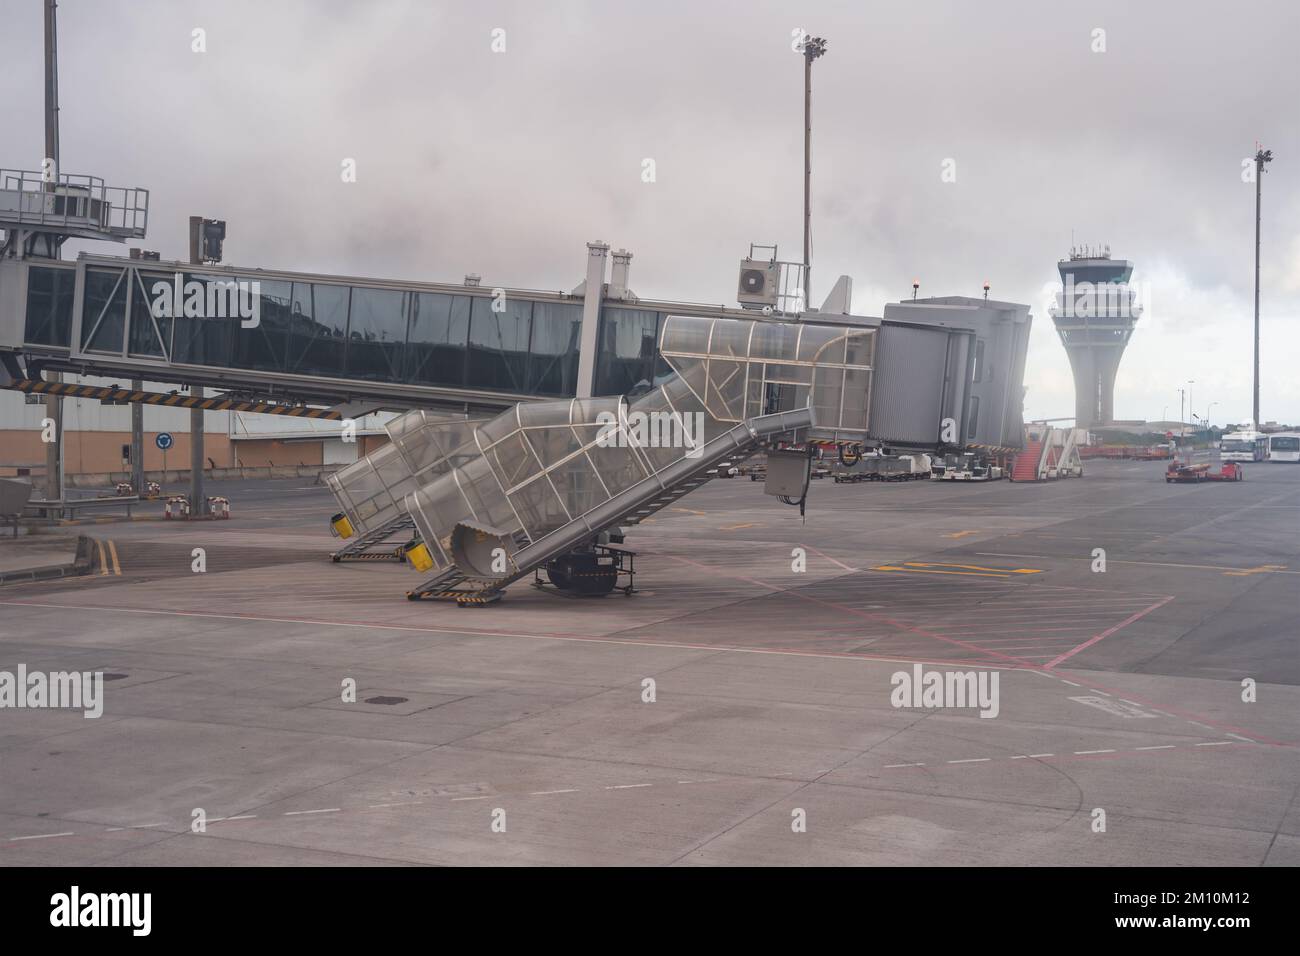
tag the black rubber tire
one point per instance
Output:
(560, 578)
(595, 583)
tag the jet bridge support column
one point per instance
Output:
(198, 503)
(137, 441)
(592, 296)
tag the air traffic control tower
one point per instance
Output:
(1094, 313)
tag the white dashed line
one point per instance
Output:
(1161, 747)
(1070, 682)
(144, 826)
(1084, 753)
(299, 813)
(1037, 756)
(891, 766)
(41, 836)
(410, 803)
(484, 797)
(970, 760)
(628, 786)
(1245, 740)
(1216, 743)
(547, 793)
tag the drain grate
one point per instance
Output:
(387, 700)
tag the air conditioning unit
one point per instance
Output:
(759, 283)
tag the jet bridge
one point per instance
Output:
(546, 483)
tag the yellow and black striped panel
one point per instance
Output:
(176, 401)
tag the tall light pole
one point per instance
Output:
(1209, 408)
(1262, 156)
(53, 403)
(1191, 406)
(813, 47)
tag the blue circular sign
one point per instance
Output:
(164, 440)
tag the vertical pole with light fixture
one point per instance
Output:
(53, 403)
(813, 47)
(1262, 156)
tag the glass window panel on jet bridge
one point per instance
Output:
(49, 306)
(203, 341)
(103, 312)
(627, 354)
(265, 346)
(498, 344)
(320, 325)
(376, 334)
(437, 342)
(553, 352)
(148, 335)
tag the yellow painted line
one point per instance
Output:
(112, 550)
(103, 562)
(737, 527)
(973, 567)
(960, 534)
(1262, 569)
(975, 574)
(1272, 568)
(690, 511)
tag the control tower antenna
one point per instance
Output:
(1262, 156)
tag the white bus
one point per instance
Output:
(1245, 445)
(1284, 446)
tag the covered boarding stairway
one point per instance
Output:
(555, 485)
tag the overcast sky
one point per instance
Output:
(506, 163)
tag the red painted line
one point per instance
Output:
(1109, 631)
(522, 635)
(1032, 630)
(829, 558)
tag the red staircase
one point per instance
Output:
(1026, 466)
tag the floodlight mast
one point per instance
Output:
(1262, 156)
(813, 47)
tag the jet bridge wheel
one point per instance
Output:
(587, 573)
(559, 577)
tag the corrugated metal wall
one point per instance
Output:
(918, 381)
